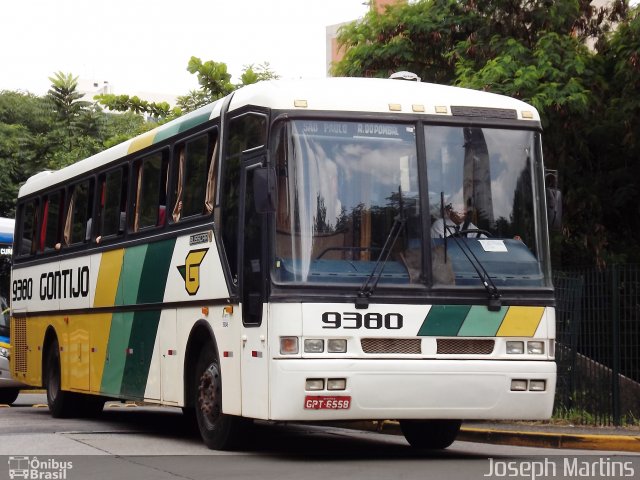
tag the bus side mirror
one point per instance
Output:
(264, 189)
(554, 208)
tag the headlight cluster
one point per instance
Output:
(517, 347)
(290, 345)
(4, 352)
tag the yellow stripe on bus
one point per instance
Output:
(143, 141)
(100, 329)
(521, 322)
(108, 277)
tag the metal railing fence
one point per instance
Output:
(598, 344)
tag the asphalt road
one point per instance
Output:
(155, 443)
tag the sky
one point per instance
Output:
(145, 46)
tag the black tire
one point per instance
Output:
(430, 434)
(88, 406)
(60, 403)
(218, 431)
(8, 395)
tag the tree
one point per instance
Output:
(158, 111)
(25, 121)
(214, 81)
(545, 52)
(254, 74)
(616, 140)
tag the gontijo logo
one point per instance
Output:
(190, 271)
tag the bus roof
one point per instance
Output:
(6, 230)
(347, 94)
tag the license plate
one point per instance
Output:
(326, 403)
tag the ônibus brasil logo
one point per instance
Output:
(35, 469)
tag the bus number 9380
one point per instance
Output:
(355, 320)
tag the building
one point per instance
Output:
(334, 53)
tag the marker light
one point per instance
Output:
(289, 346)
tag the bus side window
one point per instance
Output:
(50, 228)
(113, 203)
(29, 222)
(196, 177)
(77, 227)
(246, 132)
(151, 191)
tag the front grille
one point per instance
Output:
(464, 347)
(406, 346)
(19, 351)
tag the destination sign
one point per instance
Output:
(356, 129)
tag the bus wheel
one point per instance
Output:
(59, 401)
(219, 431)
(8, 395)
(431, 434)
(89, 406)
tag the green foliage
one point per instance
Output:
(25, 124)
(160, 111)
(212, 76)
(254, 74)
(50, 132)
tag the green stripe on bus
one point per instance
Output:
(153, 276)
(183, 126)
(133, 335)
(481, 322)
(133, 263)
(444, 320)
(141, 343)
(119, 334)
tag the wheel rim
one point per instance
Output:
(209, 396)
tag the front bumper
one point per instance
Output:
(414, 389)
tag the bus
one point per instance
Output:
(269, 256)
(9, 388)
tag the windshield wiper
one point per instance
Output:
(367, 288)
(495, 302)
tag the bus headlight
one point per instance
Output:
(535, 348)
(537, 385)
(337, 345)
(313, 345)
(337, 384)
(518, 385)
(515, 347)
(4, 352)
(314, 384)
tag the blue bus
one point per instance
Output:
(9, 388)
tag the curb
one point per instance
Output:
(624, 443)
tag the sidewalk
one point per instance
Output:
(534, 435)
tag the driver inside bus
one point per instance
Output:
(457, 220)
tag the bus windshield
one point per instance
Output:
(342, 186)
